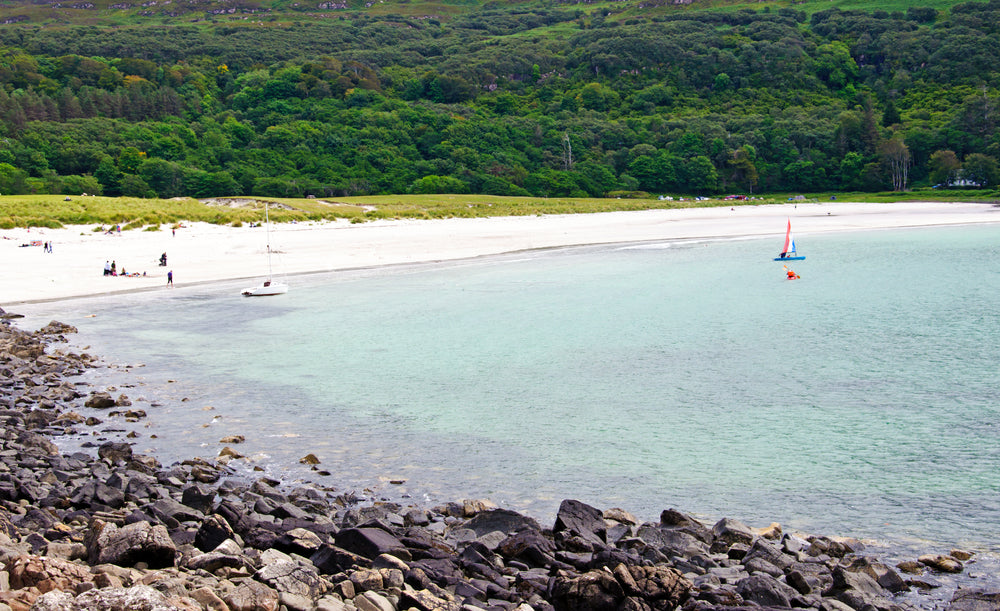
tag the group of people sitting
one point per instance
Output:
(111, 269)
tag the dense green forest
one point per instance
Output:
(555, 99)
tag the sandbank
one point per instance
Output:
(201, 253)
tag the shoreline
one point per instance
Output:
(201, 253)
(201, 535)
(704, 588)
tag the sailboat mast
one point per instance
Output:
(267, 229)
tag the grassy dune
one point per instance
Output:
(152, 214)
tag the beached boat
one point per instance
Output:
(268, 286)
(788, 252)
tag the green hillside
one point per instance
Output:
(638, 98)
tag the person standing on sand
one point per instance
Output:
(170, 278)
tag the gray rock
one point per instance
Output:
(768, 552)
(727, 531)
(252, 596)
(131, 544)
(135, 598)
(975, 600)
(502, 520)
(855, 589)
(670, 541)
(293, 578)
(766, 591)
(115, 452)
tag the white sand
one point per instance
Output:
(201, 253)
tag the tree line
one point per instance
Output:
(538, 102)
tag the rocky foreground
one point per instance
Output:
(121, 532)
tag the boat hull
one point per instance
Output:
(789, 258)
(273, 288)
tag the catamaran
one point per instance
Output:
(268, 286)
(788, 252)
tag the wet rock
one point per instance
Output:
(99, 400)
(115, 452)
(855, 589)
(938, 562)
(884, 575)
(975, 600)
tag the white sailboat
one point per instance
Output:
(268, 286)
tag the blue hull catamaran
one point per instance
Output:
(788, 252)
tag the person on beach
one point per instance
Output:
(170, 278)
(114, 272)
(107, 268)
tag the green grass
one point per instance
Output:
(153, 214)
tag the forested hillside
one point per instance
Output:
(498, 98)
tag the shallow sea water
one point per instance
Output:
(861, 400)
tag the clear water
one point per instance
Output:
(862, 399)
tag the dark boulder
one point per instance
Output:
(100, 400)
(330, 559)
(198, 498)
(115, 452)
(502, 520)
(660, 587)
(368, 542)
(592, 591)
(528, 546)
(212, 532)
(856, 590)
(581, 520)
(766, 591)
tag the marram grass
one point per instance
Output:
(151, 214)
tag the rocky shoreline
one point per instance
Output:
(119, 531)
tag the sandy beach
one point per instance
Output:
(202, 253)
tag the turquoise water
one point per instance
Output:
(862, 399)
